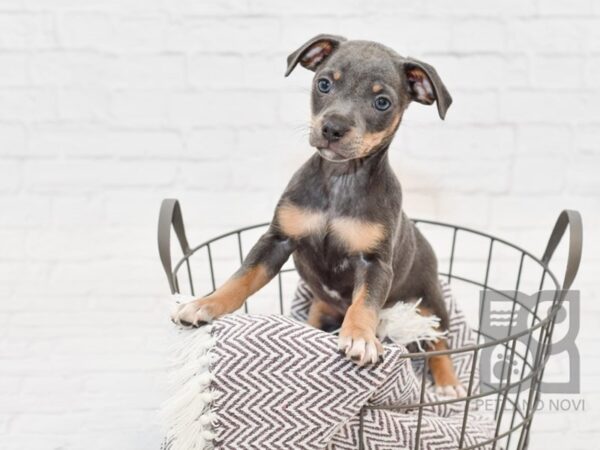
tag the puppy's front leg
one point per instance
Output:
(262, 263)
(357, 335)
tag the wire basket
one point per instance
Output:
(478, 266)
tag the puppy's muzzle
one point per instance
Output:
(334, 128)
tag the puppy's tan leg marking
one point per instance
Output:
(358, 235)
(441, 366)
(226, 299)
(318, 311)
(357, 335)
(442, 369)
(297, 222)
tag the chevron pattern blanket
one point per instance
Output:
(271, 382)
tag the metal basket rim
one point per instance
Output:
(414, 355)
(426, 221)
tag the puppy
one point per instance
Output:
(341, 214)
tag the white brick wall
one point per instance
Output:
(106, 107)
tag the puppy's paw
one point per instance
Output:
(360, 346)
(196, 313)
(451, 391)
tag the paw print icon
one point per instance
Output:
(508, 366)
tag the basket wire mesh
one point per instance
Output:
(514, 401)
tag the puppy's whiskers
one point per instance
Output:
(302, 130)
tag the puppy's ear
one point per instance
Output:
(314, 52)
(425, 85)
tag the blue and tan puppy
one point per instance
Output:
(341, 214)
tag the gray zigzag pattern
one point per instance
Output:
(282, 385)
(442, 424)
(459, 335)
(389, 430)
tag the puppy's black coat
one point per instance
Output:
(341, 215)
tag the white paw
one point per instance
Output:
(450, 391)
(191, 314)
(360, 350)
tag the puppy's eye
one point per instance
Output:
(382, 103)
(324, 85)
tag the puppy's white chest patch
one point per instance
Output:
(331, 292)
(343, 265)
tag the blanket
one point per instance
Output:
(271, 382)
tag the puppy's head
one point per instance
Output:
(360, 91)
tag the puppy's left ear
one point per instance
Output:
(314, 52)
(425, 85)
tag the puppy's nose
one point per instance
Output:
(334, 129)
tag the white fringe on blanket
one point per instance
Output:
(187, 415)
(403, 324)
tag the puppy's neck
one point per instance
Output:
(361, 167)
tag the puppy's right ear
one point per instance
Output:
(425, 85)
(314, 52)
